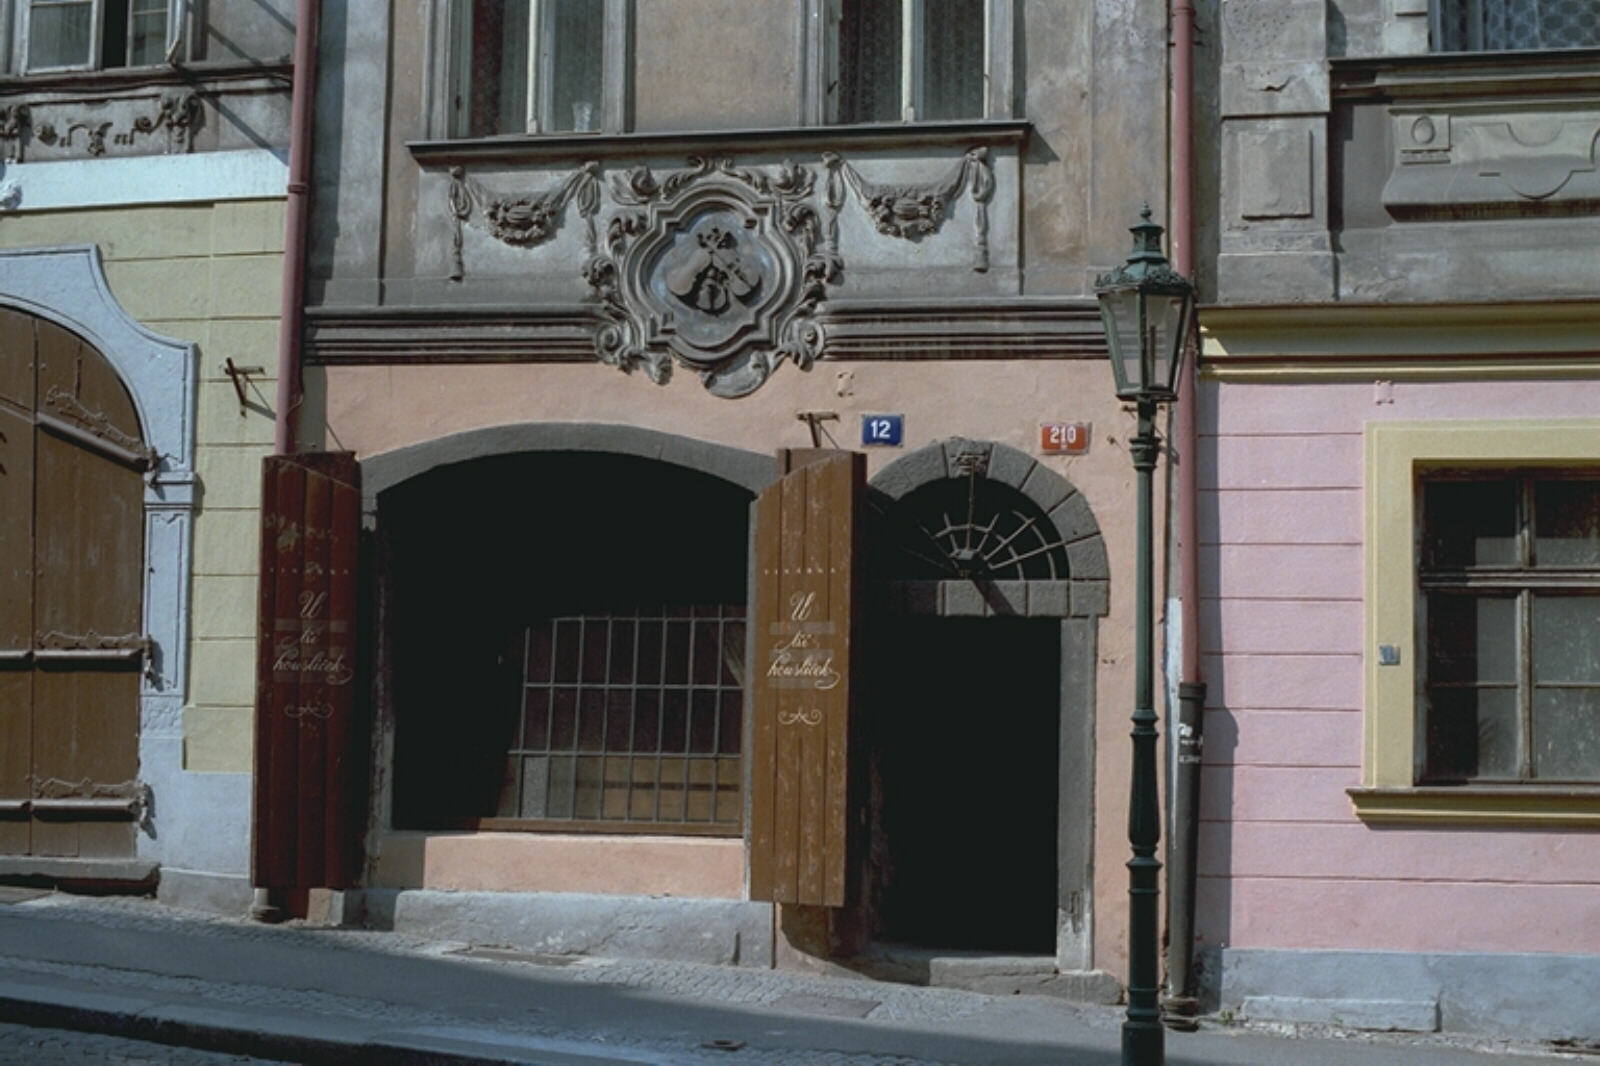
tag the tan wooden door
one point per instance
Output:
(802, 632)
(71, 637)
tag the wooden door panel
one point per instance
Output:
(79, 385)
(803, 629)
(89, 542)
(308, 810)
(16, 766)
(16, 579)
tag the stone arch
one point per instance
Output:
(749, 470)
(1083, 594)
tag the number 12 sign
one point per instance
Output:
(884, 430)
(1063, 438)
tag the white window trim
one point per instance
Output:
(448, 58)
(21, 20)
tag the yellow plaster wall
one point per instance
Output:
(211, 274)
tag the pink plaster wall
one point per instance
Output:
(371, 410)
(699, 867)
(1284, 862)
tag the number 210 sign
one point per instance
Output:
(1063, 438)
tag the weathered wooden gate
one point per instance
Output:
(71, 589)
(310, 749)
(802, 632)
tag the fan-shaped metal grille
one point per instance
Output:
(971, 527)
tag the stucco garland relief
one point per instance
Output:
(177, 114)
(522, 220)
(913, 211)
(1523, 163)
(716, 267)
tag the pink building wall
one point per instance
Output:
(1284, 862)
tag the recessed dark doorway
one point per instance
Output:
(964, 720)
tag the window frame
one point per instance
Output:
(1396, 454)
(449, 61)
(1519, 581)
(21, 20)
(820, 44)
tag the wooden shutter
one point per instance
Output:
(310, 752)
(802, 632)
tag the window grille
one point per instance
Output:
(1508, 25)
(631, 719)
(1510, 623)
(971, 527)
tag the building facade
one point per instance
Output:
(577, 274)
(1398, 516)
(141, 236)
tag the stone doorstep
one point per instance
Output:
(132, 876)
(997, 975)
(1387, 1015)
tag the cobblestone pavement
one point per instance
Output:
(24, 1046)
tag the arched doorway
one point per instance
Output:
(987, 571)
(72, 642)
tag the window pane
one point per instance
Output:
(497, 60)
(1566, 639)
(60, 35)
(147, 33)
(952, 59)
(576, 31)
(1566, 733)
(869, 61)
(1470, 523)
(1566, 523)
(1471, 733)
(1472, 638)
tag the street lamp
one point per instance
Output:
(1146, 307)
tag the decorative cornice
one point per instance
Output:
(715, 143)
(969, 328)
(1370, 338)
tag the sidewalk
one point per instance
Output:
(301, 994)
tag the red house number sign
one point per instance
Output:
(1064, 438)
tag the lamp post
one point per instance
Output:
(1146, 307)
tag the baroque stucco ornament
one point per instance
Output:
(716, 267)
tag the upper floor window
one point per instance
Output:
(1507, 25)
(528, 66)
(909, 60)
(96, 34)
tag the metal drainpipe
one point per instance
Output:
(1181, 1003)
(264, 904)
(292, 317)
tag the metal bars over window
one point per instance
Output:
(631, 720)
(1515, 25)
(1509, 617)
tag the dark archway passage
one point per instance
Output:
(964, 715)
(567, 644)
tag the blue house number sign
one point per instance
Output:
(885, 430)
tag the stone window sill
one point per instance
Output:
(1511, 805)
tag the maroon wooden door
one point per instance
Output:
(309, 752)
(803, 631)
(71, 587)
